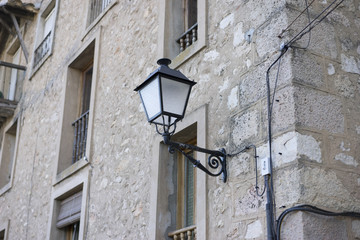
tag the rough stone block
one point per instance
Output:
(318, 110)
(350, 64)
(245, 200)
(307, 68)
(245, 127)
(355, 227)
(342, 152)
(287, 184)
(322, 227)
(292, 227)
(253, 84)
(254, 230)
(283, 111)
(240, 165)
(329, 188)
(291, 146)
(267, 40)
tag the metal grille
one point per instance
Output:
(96, 7)
(43, 49)
(80, 133)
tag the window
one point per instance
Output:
(68, 208)
(14, 76)
(97, 7)
(69, 216)
(45, 34)
(183, 29)
(185, 202)
(8, 156)
(179, 190)
(81, 123)
(4, 230)
(189, 32)
(78, 100)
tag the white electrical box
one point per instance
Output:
(265, 166)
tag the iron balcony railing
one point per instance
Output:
(42, 49)
(188, 37)
(80, 133)
(96, 7)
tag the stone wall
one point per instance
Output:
(315, 120)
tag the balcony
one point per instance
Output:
(42, 50)
(187, 233)
(80, 134)
(10, 89)
(7, 108)
(97, 7)
(188, 38)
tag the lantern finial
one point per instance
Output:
(164, 62)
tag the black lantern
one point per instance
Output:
(164, 95)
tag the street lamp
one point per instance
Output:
(164, 95)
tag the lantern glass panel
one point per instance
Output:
(150, 95)
(174, 96)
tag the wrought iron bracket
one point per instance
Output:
(216, 159)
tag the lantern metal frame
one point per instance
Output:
(217, 158)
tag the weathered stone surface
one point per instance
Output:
(312, 109)
(246, 202)
(343, 152)
(321, 227)
(302, 61)
(283, 111)
(350, 64)
(245, 127)
(254, 230)
(320, 186)
(292, 146)
(355, 226)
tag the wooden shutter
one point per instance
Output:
(87, 79)
(70, 210)
(189, 191)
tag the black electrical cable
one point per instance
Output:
(308, 16)
(307, 8)
(312, 209)
(269, 107)
(300, 34)
(275, 85)
(255, 158)
(271, 204)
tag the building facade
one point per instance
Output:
(79, 161)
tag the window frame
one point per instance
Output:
(166, 17)
(51, 8)
(8, 185)
(61, 192)
(88, 26)
(182, 164)
(8, 72)
(159, 202)
(65, 168)
(4, 226)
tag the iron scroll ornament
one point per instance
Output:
(216, 159)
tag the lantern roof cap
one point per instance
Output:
(165, 70)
